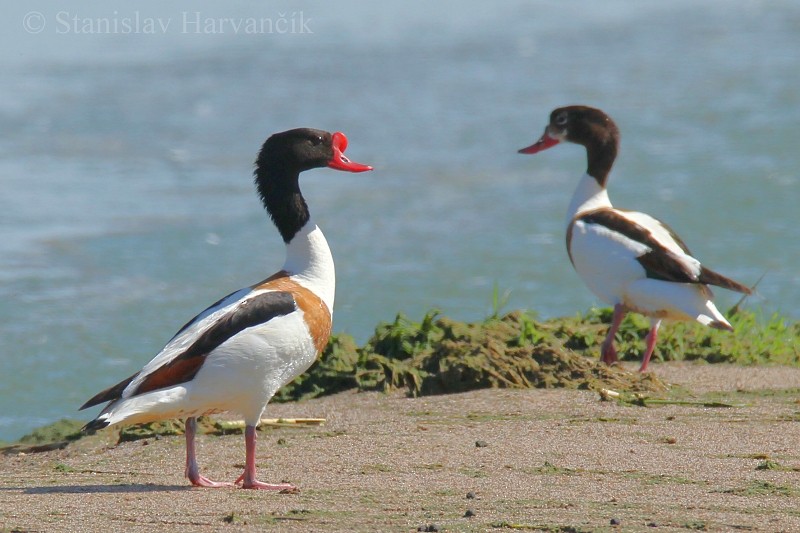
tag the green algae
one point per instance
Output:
(761, 488)
(154, 429)
(64, 429)
(755, 339)
(46, 438)
(438, 355)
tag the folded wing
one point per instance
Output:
(184, 355)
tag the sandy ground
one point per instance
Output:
(548, 460)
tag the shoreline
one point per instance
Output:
(550, 460)
(515, 350)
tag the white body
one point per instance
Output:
(606, 262)
(243, 373)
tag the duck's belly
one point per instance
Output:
(242, 374)
(605, 262)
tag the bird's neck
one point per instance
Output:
(308, 257)
(591, 193)
(280, 193)
(588, 196)
(601, 153)
(310, 263)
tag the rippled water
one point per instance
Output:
(127, 204)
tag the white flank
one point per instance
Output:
(245, 371)
(606, 261)
(240, 376)
(676, 301)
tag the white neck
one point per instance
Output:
(589, 195)
(310, 263)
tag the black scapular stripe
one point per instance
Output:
(659, 263)
(112, 393)
(198, 315)
(251, 312)
(621, 224)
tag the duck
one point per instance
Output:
(238, 352)
(629, 260)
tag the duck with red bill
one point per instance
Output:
(544, 142)
(339, 161)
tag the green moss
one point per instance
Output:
(537, 527)
(476, 473)
(331, 374)
(64, 430)
(375, 468)
(768, 464)
(53, 436)
(439, 355)
(754, 340)
(762, 488)
(696, 525)
(550, 469)
(164, 428)
(153, 429)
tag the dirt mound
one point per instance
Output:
(439, 355)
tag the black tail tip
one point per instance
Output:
(721, 325)
(94, 425)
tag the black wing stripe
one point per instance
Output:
(112, 393)
(198, 315)
(622, 225)
(664, 266)
(659, 263)
(251, 312)
(714, 278)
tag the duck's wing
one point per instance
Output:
(657, 248)
(184, 355)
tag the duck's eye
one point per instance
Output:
(561, 119)
(316, 141)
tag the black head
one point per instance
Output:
(281, 160)
(587, 126)
(302, 149)
(583, 125)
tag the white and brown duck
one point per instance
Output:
(237, 353)
(629, 259)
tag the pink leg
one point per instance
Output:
(607, 352)
(192, 470)
(248, 478)
(652, 336)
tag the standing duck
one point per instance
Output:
(236, 354)
(630, 260)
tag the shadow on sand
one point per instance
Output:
(98, 489)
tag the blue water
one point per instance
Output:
(125, 160)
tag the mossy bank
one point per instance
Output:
(439, 355)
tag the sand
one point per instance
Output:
(530, 460)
